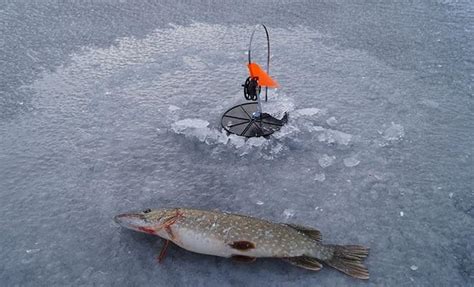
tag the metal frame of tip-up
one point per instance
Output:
(248, 119)
(268, 63)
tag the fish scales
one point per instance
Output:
(227, 228)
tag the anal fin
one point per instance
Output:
(308, 231)
(304, 262)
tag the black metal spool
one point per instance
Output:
(247, 119)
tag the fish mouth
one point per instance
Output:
(130, 220)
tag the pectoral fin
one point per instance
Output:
(163, 251)
(304, 262)
(308, 231)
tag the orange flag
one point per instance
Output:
(264, 79)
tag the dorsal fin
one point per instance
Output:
(304, 262)
(308, 231)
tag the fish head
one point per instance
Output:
(149, 221)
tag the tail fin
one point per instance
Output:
(348, 259)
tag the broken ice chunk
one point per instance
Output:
(320, 177)
(173, 108)
(394, 133)
(351, 162)
(333, 136)
(316, 128)
(326, 160)
(331, 121)
(288, 213)
(32, 251)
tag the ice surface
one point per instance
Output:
(113, 106)
(190, 124)
(307, 112)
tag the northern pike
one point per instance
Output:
(245, 238)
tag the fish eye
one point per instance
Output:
(147, 210)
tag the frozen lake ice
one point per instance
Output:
(113, 106)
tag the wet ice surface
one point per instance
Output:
(108, 108)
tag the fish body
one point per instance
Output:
(243, 237)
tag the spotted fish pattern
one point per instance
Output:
(246, 238)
